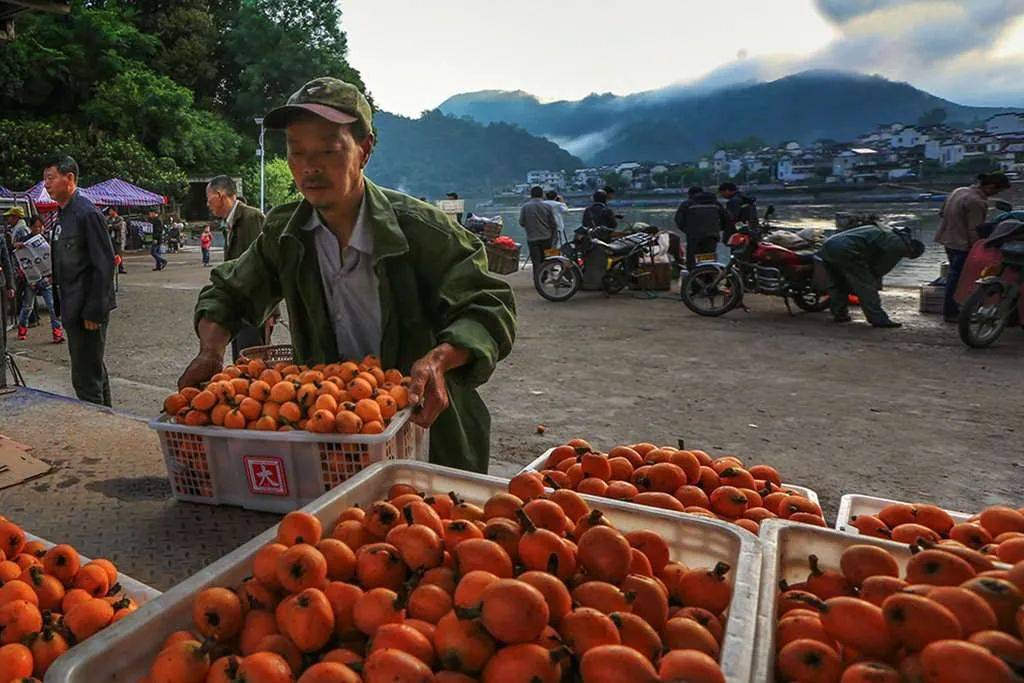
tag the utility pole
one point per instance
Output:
(261, 152)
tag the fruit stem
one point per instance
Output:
(551, 482)
(720, 570)
(528, 525)
(812, 560)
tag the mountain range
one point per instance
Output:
(682, 122)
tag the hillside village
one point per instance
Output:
(890, 152)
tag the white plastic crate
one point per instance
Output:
(853, 504)
(136, 590)
(123, 654)
(538, 464)
(276, 471)
(785, 546)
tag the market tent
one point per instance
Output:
(4, 192)
(116, 192)
(41, 198)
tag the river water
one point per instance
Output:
(921, 217)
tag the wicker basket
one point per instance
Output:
(502, 261)
(274, 353)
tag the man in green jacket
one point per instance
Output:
(856, 260)
(367, 270)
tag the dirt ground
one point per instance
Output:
(907, 413)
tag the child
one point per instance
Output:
(205, 240)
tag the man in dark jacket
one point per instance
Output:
(537, 219)
(158, 240)
(243, 224)
(856, 260)
(83, 260)
(365, 270)
(741, 209)
(599, 215)
(702, 219)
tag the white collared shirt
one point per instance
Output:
(231, 214)
(350, 286)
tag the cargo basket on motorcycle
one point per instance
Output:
(1013, 254)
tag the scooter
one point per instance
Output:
(996, 302)
(561, 274)
(714, 289)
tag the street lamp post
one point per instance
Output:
(262, 153)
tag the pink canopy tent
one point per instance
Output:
(116, 192)
(41, 198)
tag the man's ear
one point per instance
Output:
(367, 148)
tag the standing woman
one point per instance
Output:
(963, 211)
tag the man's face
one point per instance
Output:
(728, 194)
(219, 203)
(325, 160)
(59, 186)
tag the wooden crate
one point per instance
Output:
(657, 277)
(931, 298)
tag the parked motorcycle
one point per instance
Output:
(760, 267)
(996, 301)
(562, 273)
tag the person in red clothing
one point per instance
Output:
(205, 241)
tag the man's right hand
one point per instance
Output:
(201, 369)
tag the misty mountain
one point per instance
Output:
(435, 154)
(683, 122)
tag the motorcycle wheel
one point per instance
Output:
(704, 296)
(614, 281)
(555, 280)
(980, 323)
(811, 301)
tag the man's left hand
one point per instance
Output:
(90, 325)
(428, 393)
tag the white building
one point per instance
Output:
(951, 153)
(549, 180)
(792, 169)
(1001, 124)
(848, 162)
(908, 137)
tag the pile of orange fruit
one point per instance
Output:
(952, 617)
(997, 531)
(49, 602)
(345, 398)
(680, 480)
(529, 587)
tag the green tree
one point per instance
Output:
(932, 117)
(750, 143)
(279, 186)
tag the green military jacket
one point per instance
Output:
(434, 288)
(874, 247)
(245, 226)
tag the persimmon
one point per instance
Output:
(875, 589)
(861, 561)
(1002, 645)
(870, 672)
(462, 645)
(809, 661)
(376, 607)
(596, 465)
(640, 564)
(652, 545)
(379, 565)
(256, 625)
(381, 516)
(62, 561)
(299, 527)
(91, 616)
(264, 564)
(300, 567)
(649, 599)
(604, 553)
(826, 583)
(593, 486)
(429, 603)
(443, 577)
(456, 531)
(15, 662)
(938, 568)
(910, 533)
(571, 503)
(93, 579)
(264, 667)
(971, 611)
(869, 525)
(479, 553)
(217, 613)
(978, 560)
(343, 597)
(917, 621)
(1001, 595)
(585, 628)
(219, 413)
(801, 626)
(999, 519)
(556, 595)
(537, 547)
(307, 619)
(188, 393)
(234, 419)
(958, 661)
(49, 591)
(527, 485)
(857, 624)
(174, 403)
(688, 634)
(471, 588)
(343, 656)
(77, 595)
(707, 588)
(184, 661)
(604, 597)
(282, 392)
(352, 533)
(690, 665)
(796, 504)
(329, 672)
(418, 511)
(636, 633)
(405, 638)
(341, 560)
(935, 518)
(1011, 550)
(614, 663)
(505, 533)
(523, 662)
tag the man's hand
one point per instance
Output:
(428, 393)
(202, 368)
(90, 325)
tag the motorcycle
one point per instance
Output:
(996, 301)
(564, 270)
(758, 266)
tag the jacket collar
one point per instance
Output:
(388, 238)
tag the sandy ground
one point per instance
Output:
(907, 413)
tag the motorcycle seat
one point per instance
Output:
(616, 248)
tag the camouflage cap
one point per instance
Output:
(330, 98)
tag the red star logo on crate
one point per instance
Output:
(265, 475)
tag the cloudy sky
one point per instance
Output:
(415, 53)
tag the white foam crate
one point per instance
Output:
(785, 546)
(136, 590)
(538, 464)
(854, 504)
(123, 653)
(276, 471)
